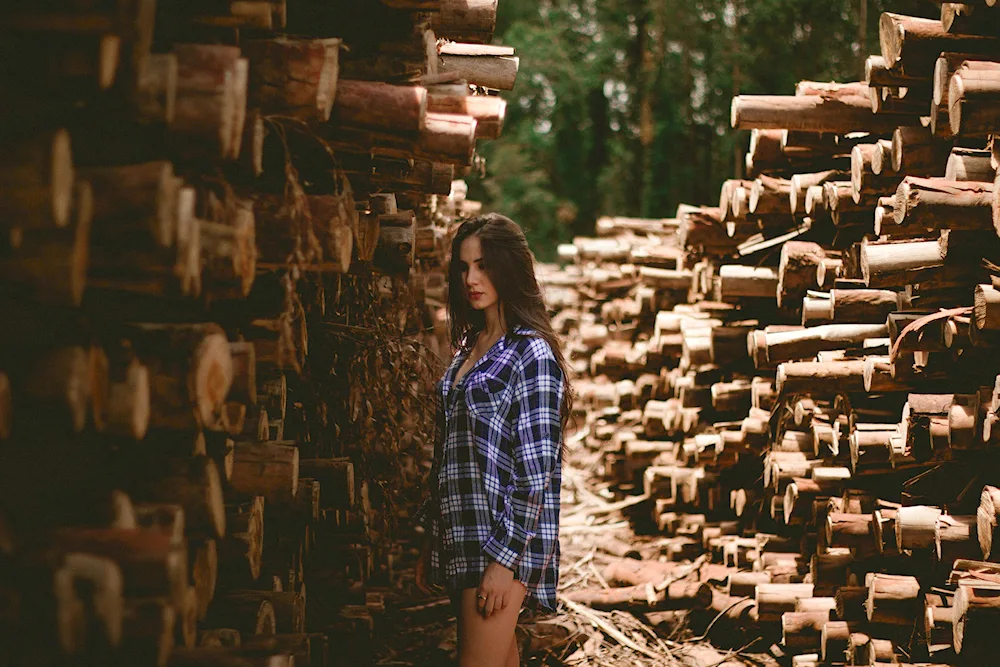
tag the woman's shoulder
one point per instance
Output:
(530, 346)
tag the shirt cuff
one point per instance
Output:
(501, 554)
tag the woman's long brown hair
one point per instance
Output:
(510, 265)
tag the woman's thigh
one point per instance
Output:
(484, 642)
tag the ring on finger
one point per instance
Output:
(481, 597)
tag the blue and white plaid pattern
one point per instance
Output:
(496, 473)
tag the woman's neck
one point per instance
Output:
(495, 325)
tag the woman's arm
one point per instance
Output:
(538, 438)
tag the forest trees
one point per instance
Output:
(622, 106)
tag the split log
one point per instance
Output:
(37, 173)
(240, 552)
(268, 469)
(144, 202)
(834, 641)
(229, 253)
(966, 164)
(894, 264)
(862, 305)
(380, 106)
(396, 247)
(956, 538)
(878, 74)
(294, 77)
(487, 66)
(645, 597)
(916, 526)
(917, 152)
(190, 370)
(633, 572)
(789, 345)
(739, 281)
(773, 600)
(892, 599)
(976, 614)
(488, 110)
(744, 584)
(448, 138)
(52, 264)
(466, 20)
(820, 377)
(797, 271)
(972, 94)
(865, 184)
(207, 98)
(802, 631)
(911, 45)
(835, 114)
(933, 203)
(850, 530)
(770, 196)
(988, 520)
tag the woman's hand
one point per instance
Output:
(494, 589)
(423, 567)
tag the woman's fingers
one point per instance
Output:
(503, 601)
(490, 605)
(481, 599)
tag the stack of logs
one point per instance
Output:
(799, 387)
(186, 188)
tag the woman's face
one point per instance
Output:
(479, 289)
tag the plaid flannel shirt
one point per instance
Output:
(496, 476)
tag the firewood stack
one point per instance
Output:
(798, 388)
(193, 196)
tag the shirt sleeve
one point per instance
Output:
(537, 444)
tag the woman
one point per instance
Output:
(492, 519)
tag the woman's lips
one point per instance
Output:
(474, 295)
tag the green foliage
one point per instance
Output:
(622, 106)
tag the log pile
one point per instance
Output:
(223, 230)
(797, 389)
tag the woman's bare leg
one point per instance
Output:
(513, 656)
(487, 642)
